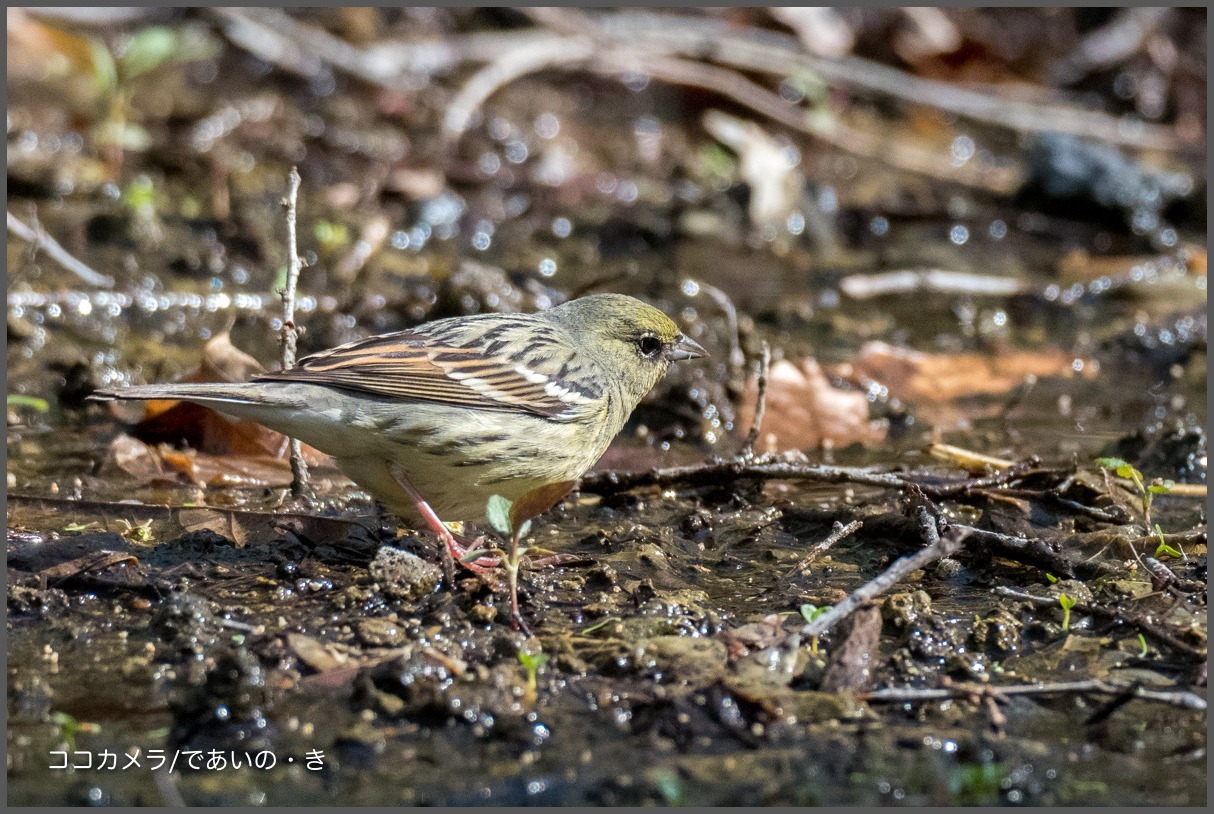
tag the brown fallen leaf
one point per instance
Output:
(805, 411)
(914, 376)
(316, 654)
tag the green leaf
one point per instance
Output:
(497, 512)
(811, 612)
(1066, 602)
(33, 402)
(524, 529)
(147, 50)
(1111, 463)
(1164, 548)
(532, 662)
(1050, 578)
(1127, 471)
(1161, 488)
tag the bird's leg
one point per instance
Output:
(452, 551)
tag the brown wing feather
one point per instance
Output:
(418, 366)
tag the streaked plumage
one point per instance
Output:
(519, 405)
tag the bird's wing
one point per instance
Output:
(486, 365)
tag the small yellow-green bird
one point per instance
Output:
(435, 420)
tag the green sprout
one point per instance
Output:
(500, 513)
(1067, 603)
(1142, 644)
(1050, 578)
(1146, 492)
(136, 532)
(69, 727)
(1163, 547)
(809, 613)
(532, 664)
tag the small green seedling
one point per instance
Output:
(1067, 603)
(1146, 492)
(811, 612)
(1142, 644)
(499, 512)
(1163, 547)
(532, 664)
(69, 727)
(79, 526)
(137, 532)
(1050, 578)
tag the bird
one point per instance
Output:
(434, 420)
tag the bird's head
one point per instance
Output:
(635, 341)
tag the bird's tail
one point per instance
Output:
(215, 394)
(304, 411)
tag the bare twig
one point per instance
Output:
(714, 472)
(290, 333)
(936, 281)
(1145, 626)
(54, 251)
(901, 695)
(838, 533)
(778, 54)
(1036, 553)
(736, 357)
(505, 69)
(939, 547)
(756, 426)
(829, 129)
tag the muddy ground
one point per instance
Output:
(1011, 381)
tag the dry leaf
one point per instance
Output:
(805, 411)
(913, 376)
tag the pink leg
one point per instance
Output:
(452, 550)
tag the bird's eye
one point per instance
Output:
(649, 346)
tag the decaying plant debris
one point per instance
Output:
(928, 527)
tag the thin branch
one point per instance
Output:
(290, 333)
(506, 68)
(1145, 626)
(900, 695)
(756, 426)
(838, 533)
(54, 251)
(939, 547)
(827, 128)
(783, 55)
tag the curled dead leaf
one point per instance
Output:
(805, 411)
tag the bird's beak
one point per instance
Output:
(685, 348)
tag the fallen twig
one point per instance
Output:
(830, 129)
(899, 695)
(756, 426)
(505, 69)
(936, 281)
(54, 251)
(838, 533)
(939, 547)
(1036, 553)
(714, 472)
(1145, 626)
(290, 333)
(782, 55)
